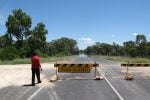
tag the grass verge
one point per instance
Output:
(28, 60)
(126, 59)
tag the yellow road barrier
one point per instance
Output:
(136, 65)
(127, 65)
(75, 68)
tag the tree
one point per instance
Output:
(37, 40)
(90, 50)
(100, 48)
(140, 39)
(106, 49)
(141, 43)
(117, 50)
(3, 41)
(63, 46)
(18, 25)
(130, 48)
(147, 49)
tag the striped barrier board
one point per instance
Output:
(136, 65)
(75, 68)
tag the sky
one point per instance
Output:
(86, 21)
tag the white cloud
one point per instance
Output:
(149, 35)
(135, 34)
(87, 40)
(84, 42)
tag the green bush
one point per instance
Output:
(24, 52)
(8, 53)
(65, 53)
(41, 54)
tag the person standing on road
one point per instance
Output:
(35, 67)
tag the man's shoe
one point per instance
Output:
(33, 84)
(39, 81)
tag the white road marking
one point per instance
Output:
(118, 94)
(43, 85)
(54, 94)
(33, 95)
(121, 98)
(23, 93)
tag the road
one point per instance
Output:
(138, 89)
(82, 86)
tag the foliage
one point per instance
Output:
(126, 59)
(41, 54)
(130, 48)
(43, 60)
(37, 39)
(138, 48)
(18, 25)
(20, 40)
(18, 28)
(63, 46)
(8, 53)
(20, 35)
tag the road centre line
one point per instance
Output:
(24, 93)
(34, 94)
(118, 94)
(121, 98)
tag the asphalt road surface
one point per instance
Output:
(82, 86)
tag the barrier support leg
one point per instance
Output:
(128, 76)
(57, 73)
(97, 74)
(127, 71)
(55, 77)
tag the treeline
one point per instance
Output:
(20, 39)
(138, 48)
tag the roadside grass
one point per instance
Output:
(126, 59)
(28, 60)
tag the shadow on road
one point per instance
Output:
(27, 85)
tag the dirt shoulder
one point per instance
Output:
(21, 74)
